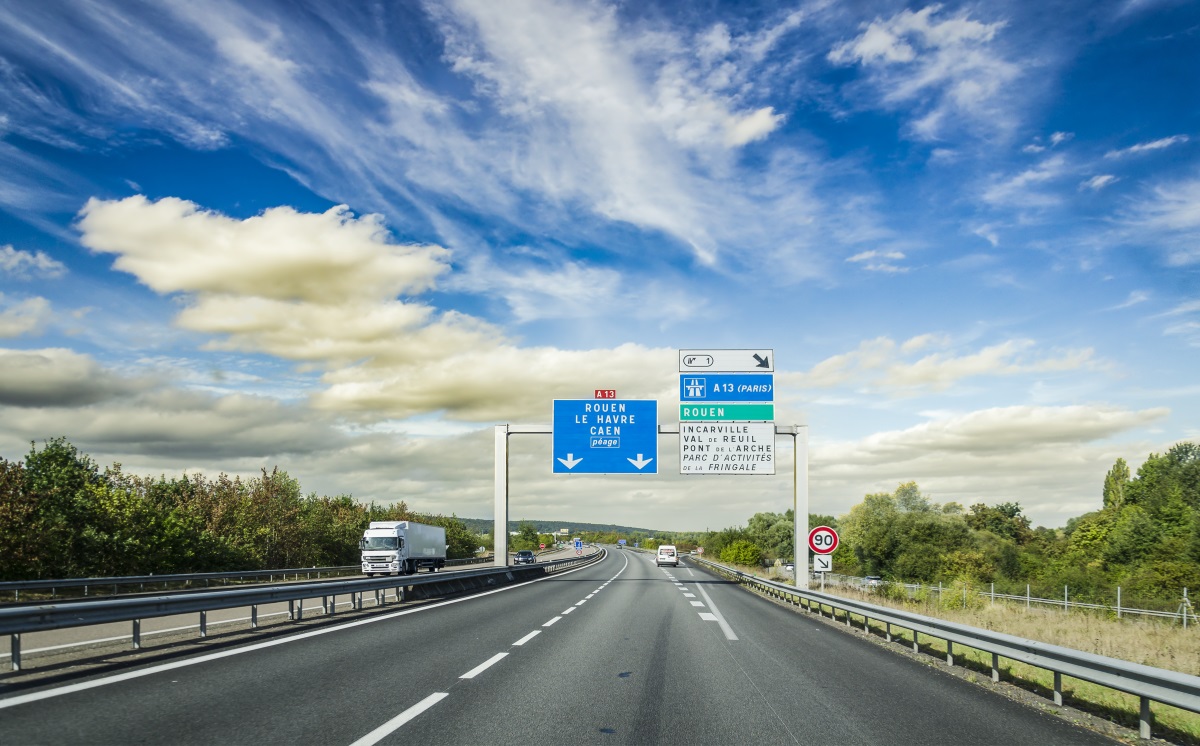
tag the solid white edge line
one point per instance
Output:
(85, 685)
(379, 733)
(552, 621)
(484, 666)
(528, 637)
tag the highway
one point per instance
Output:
(616, 652)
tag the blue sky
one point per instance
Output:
(349, 241)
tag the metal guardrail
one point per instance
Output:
(1148, 683)
(15, 621)
(117, 581)
(1183, 614)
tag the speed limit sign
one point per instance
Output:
(822, 540)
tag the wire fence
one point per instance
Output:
(1184, 612)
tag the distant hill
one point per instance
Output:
(484, 526)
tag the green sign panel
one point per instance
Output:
(727, 412)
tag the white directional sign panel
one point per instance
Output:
(822, 563)
(727, 448)
(726, 361)
(605, 436)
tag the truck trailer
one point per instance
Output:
(402, 547)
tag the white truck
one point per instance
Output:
(402, 547)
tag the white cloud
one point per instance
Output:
(1058, 138)
(870, 263)
(1050, 459)
(1168, 215)
(1098, 182)
(1145, 147)
(19, 317)
(1135, 297)
(57, 378)
(1192, 306)
(867, 255)
(1022, 190)
(882, 365)
(540, 115)
(949, 68)
(302, 286)
(1186, 328)
(571, 290)
(324, 258)
(328, 289)
(24, 265)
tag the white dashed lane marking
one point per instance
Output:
(484, 666)
(382, 731)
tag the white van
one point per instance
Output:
(667, 556)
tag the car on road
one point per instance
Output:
(667, 556)
(525, 557)
(872, 580)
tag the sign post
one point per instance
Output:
(822, 540)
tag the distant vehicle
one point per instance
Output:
(402, 547)
(525, 557)
(667, 556)
(872, 580)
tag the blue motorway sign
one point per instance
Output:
(726, 387)
(621, 542)
(605, 436)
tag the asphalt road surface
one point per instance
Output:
(620, 652)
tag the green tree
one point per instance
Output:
(527, 536)
(867, 530)
(21, 546)
(57, 478)
(1134, 535)
(1116, 485)
(1004, 519)
(742, 552)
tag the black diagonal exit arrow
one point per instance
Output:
(763, 362)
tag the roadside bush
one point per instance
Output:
(742, 552)
(961, 595)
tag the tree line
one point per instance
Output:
(1144, 539)
(62, 516)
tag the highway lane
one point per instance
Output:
(119, 634)
(679, 656)
(330, 685)
(619, 652)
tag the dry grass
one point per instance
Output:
(1151, 643)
